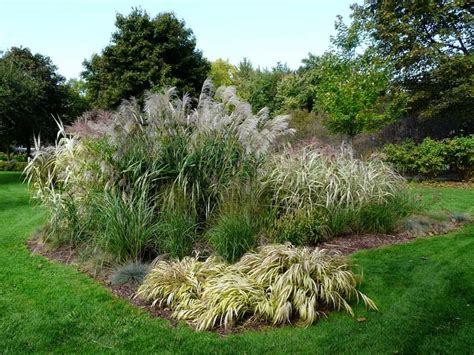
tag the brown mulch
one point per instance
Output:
(451, 184)
(351, 243)
(347, 244)
(67, 255)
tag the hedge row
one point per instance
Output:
(12, 165)
(431, 158)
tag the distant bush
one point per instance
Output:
(460, 156)
(12, 165)
(13, 157)
(433, 158)
(12, 162)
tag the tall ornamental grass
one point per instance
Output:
(178, 174)
(331, 194)
(147, 180)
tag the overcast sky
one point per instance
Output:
(265, 31)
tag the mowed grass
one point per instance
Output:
(425, 292)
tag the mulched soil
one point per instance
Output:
(67, 255)
(452, 184)
(345, 245)
(351, 243)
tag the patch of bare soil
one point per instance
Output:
(347, 244)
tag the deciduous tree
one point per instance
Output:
(145, 53)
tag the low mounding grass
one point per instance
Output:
(277, 283)
(133, 273)
(424, 290)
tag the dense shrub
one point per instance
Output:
(300, 227)
(13, 157)
(279, 284)
(433, 158)
(12, 162)
(460, 156)
(12, 165)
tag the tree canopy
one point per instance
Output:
(430, 44)
(222, 73)
(32, 93)
(145, 54)
(356, 95)
(259, 86)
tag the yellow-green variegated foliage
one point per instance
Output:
(278, 283)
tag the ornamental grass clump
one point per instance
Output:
(132, 272)
(345, 194)
(178, 283)
(114, 181)
(311, 178)
(177, 174)
(278, 284)
(301, 282)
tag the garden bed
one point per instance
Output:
(345, 245)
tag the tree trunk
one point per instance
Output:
(28, 148)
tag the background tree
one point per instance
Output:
(222, 73)
(19, 97)
(259, 86)
(297, 91)
(77, 100)
(31, 93)
(356, 95)
(430, 44)
(145, 53)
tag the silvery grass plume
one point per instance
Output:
(68, 165)
(278, 283)
(257, 132)
(165, 112)
(49, 168)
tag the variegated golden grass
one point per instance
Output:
(177, 284)
(278, 283)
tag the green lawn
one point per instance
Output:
(425, 292)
